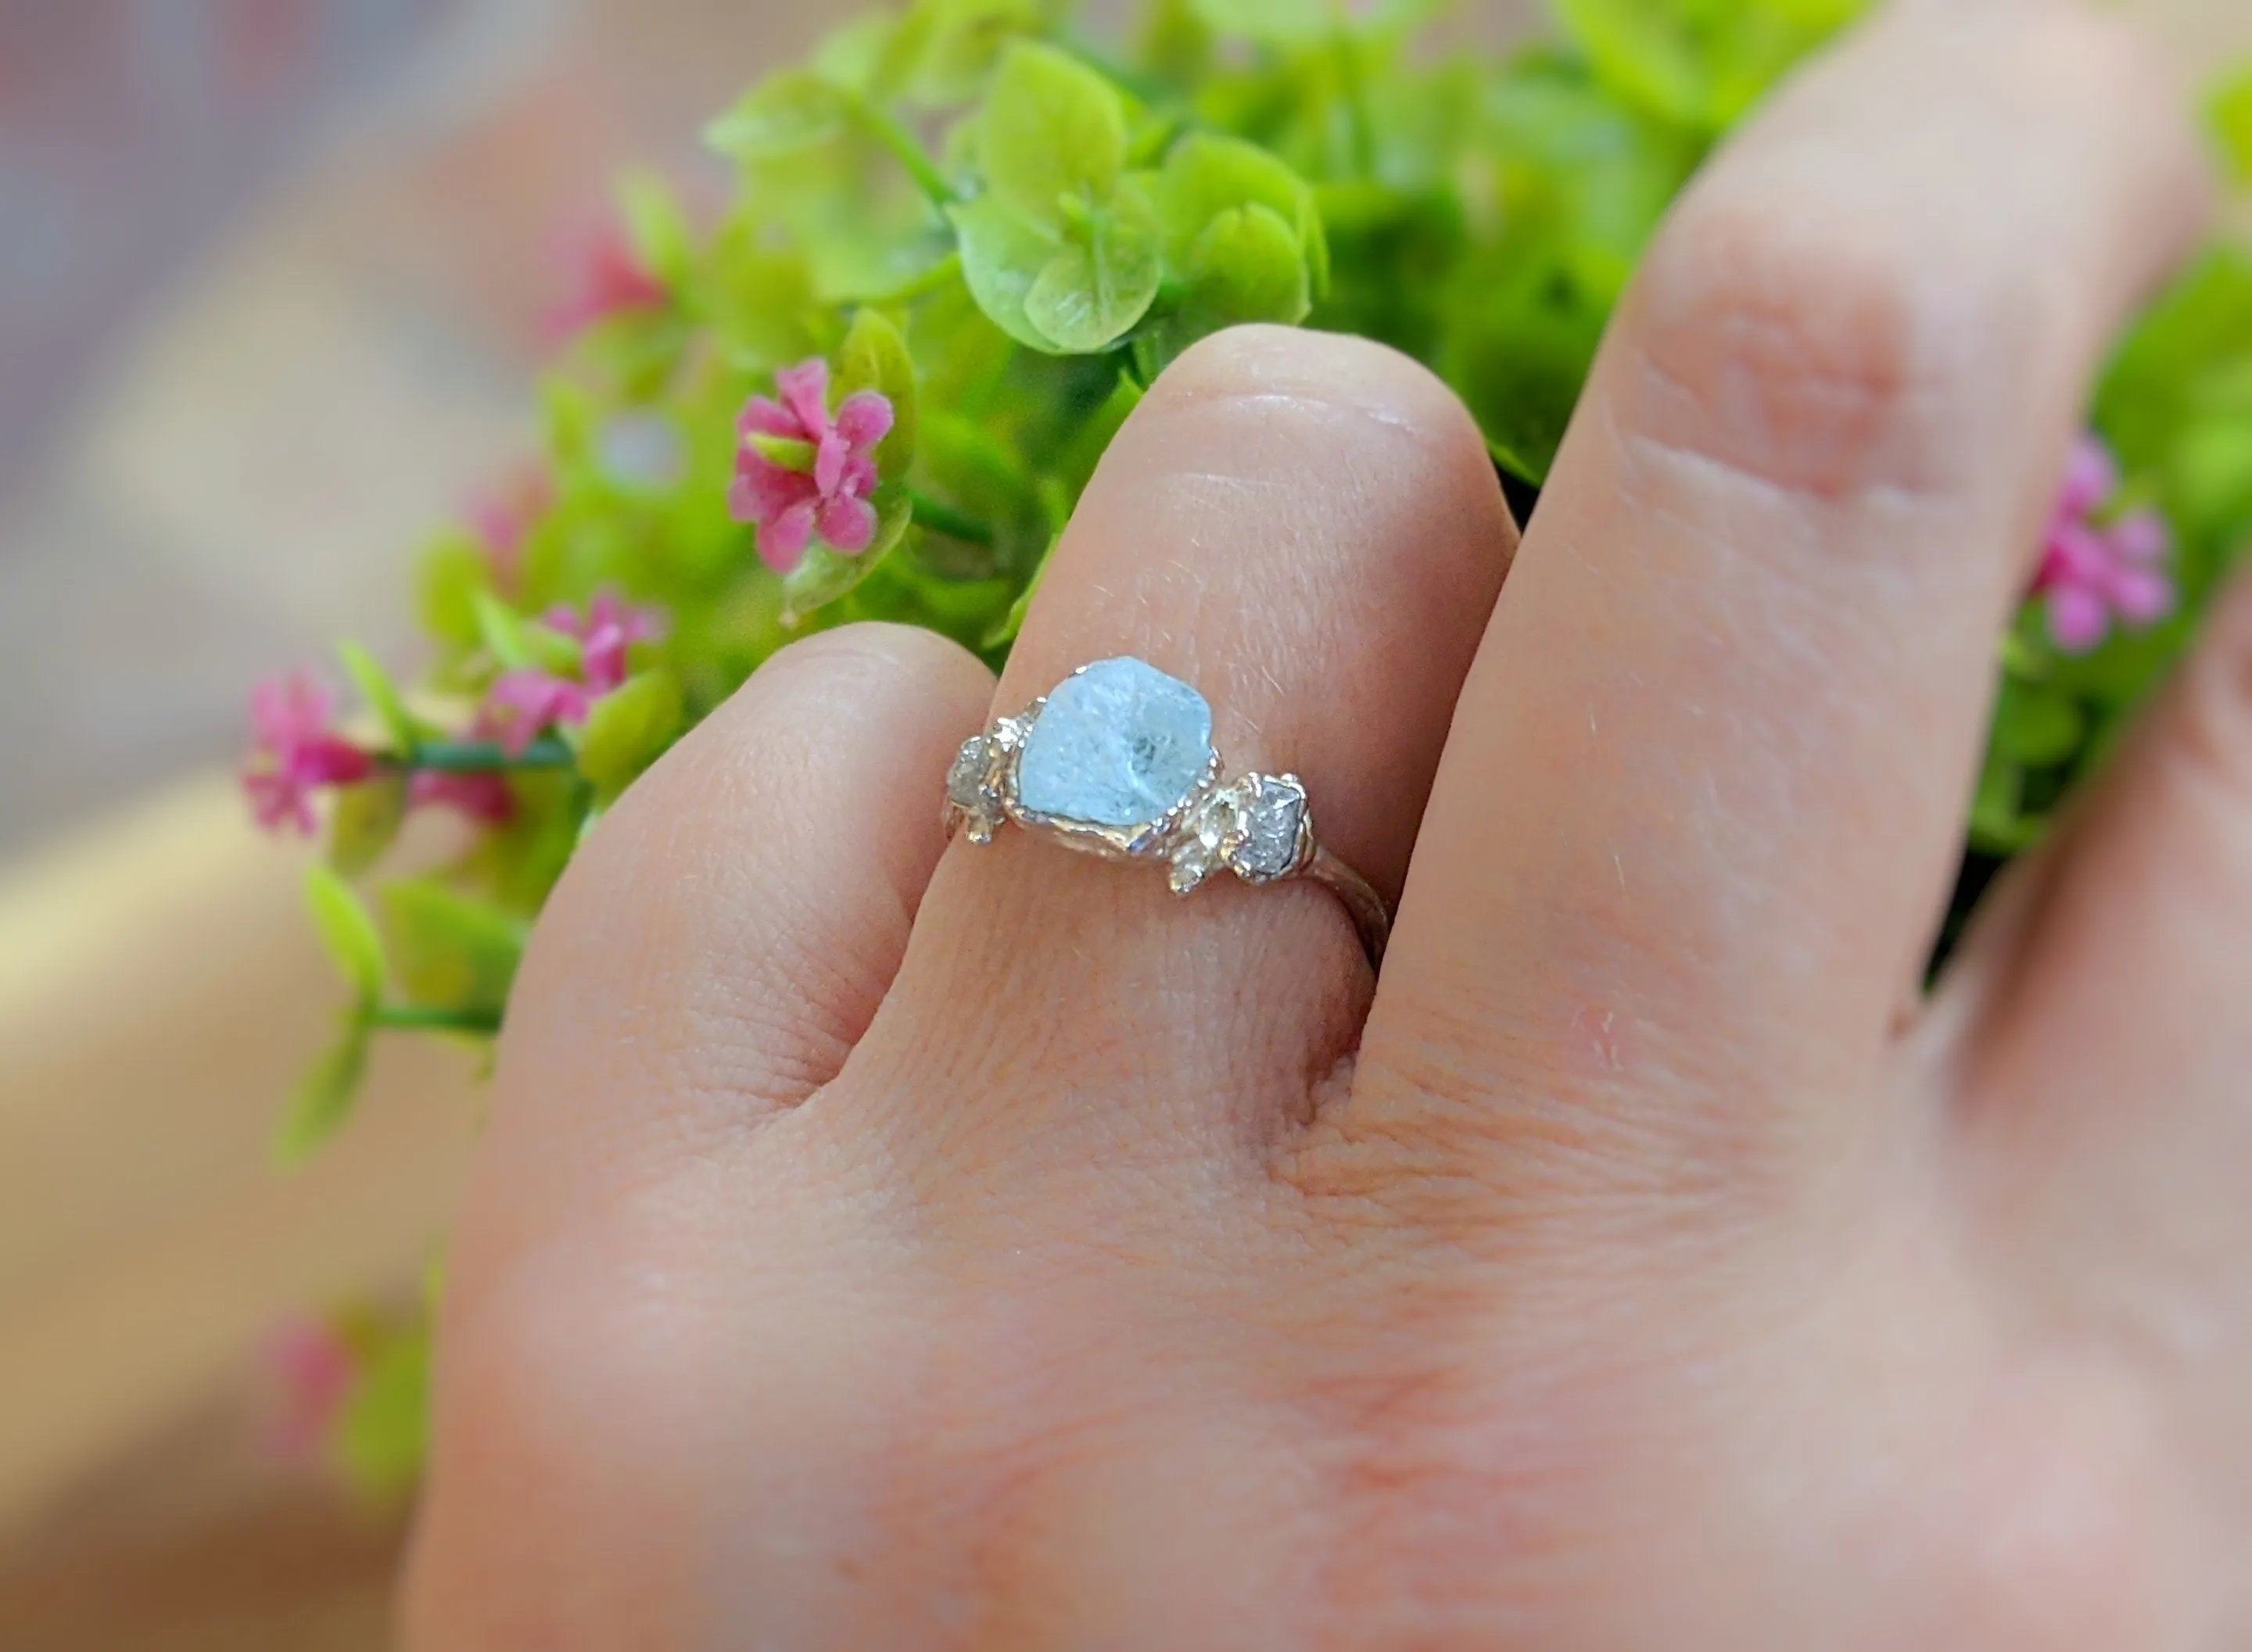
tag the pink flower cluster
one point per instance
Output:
(524, 703)
(2096, 570)
(825, 492)
(611, 280)
(313, 1370)
(295, 752)
(501, 518)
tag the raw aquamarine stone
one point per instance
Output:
(1119, 744)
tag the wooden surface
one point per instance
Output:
(198, 1541)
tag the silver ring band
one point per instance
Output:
(1117, 761)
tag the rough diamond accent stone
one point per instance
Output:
(965, 781)
(1270, 820)
(1119, 744)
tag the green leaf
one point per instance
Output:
(822, 575)
(760, 297)
(627, 730)
(346, 931)
(1699, 63)
(1002, 256)
(1272, 21)
(789, 452)
(451, 573)
(504, 631)
(658, 230)
(1205, 175)
(2232, 124)
(788, 111)
(364, 823)
(1517, 349)
(325, 1091)
(1051, 130)
(1245, 267)
(1101, 281)
(549, 649)
(874, 356)
(384, 1433)
(453, 951)
(376, 687)
(945, 50)
(2036, 727)
(1005, 629)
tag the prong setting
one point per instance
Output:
(1127, 741)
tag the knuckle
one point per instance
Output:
(1810, 347)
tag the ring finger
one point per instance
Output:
(1306, 530)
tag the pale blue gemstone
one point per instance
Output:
(1119, 744)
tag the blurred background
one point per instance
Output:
(271, 277)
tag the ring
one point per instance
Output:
(1117, 761)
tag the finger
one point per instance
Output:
(1704, 795)
(2106, 1049)
(1307, 529)
(725, 936)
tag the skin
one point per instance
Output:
(880, 1244)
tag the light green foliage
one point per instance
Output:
(364, 823)
(505, 634)
(1009, 231)
(658, 230)
(324, 1095)
(1061, 251)
(453, 951)
(823, 576)
(1052, 130)
(2232, 123)
(792, 110)
(1700, 64)
(944, 50)
(385, 1426)
(347, 933)
(380, 694)
(627, 730)
(874, 356)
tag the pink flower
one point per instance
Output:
(524, 705)
(481, 794)
(611, 281)
(314, 1368)
(526, 702)
(828, 495)
(609, 630)
(501, 517)
(2094, 573)
(295, 753)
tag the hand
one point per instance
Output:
(879, 1245)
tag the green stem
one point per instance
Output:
(422, 1018)
(477, 757)
(901, 142)
(947, 520)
